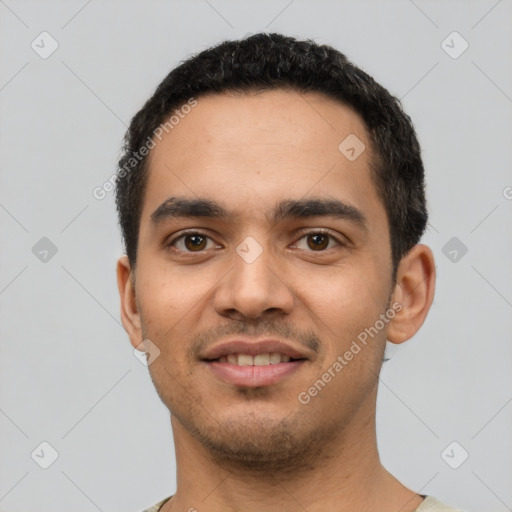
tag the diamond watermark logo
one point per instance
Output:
(44, 455)
(44, 45)
(249, 250)
(146, 352)
(454, 250)
(454, 455)
(44, 250)
(351, 147)
(454, 45)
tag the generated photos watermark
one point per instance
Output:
(304, 397)
(100, 192)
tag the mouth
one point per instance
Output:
(248, 370)
(255, 360)
(253, 363)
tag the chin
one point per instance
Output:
(260, 443)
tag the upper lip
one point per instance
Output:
(253, 348)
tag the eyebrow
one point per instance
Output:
(176, 207)
(179, 207)
(304, 208)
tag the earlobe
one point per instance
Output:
(414, 290)
(130, 316)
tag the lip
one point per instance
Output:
(254, 376)
(253, 348)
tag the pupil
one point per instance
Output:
(319, 241)
(195, 241)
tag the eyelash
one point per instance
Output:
(322, 231)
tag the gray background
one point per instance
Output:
(67, 370)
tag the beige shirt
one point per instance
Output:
(429, 504)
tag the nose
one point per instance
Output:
(253, 288)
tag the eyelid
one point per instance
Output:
(180, 234)
(339, 239)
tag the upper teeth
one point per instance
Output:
(258, 360)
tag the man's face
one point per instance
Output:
(313, 283)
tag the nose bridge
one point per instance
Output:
(253, 264)
(254, 284)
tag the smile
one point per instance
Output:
(245, 370)
(257, 360)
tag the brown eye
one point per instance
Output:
(318, 241)
(195, 242)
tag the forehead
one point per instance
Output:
(305, 122)
(252, 149)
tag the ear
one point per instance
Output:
(130, 316)
(414, 290)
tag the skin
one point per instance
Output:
(254, 449)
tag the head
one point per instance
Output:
(280, 196)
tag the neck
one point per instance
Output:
(345, 475)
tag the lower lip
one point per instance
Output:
(254, 376)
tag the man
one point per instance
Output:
(271, 200)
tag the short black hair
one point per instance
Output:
(274, 61)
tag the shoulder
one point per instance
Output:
(157, 506)
(430, 504)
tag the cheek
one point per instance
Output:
(355, 291)
(168, 296)
(172, 303)
(343, 303)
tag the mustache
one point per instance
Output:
(260, 329)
